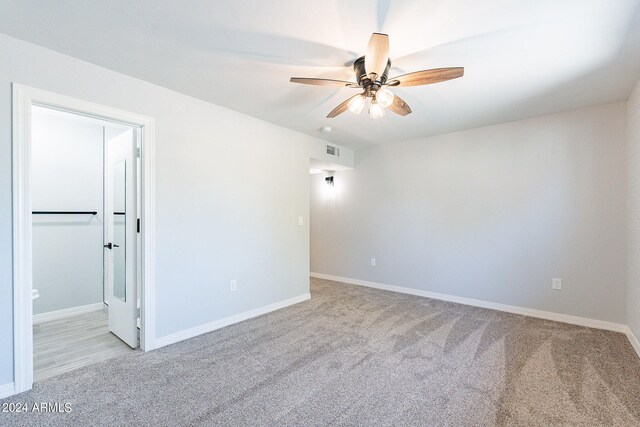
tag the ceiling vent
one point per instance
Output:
(333, 151)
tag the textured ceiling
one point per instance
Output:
(522, 58)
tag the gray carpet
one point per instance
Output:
(358, 356)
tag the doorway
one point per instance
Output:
(84, 188)
(83, 233)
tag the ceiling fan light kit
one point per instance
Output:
(371, 73)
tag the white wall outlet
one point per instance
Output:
(233, 285)
(300, 220)
(556, 284)
(373, 262)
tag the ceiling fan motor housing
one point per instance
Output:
(364, 80)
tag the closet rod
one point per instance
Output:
(64, 212)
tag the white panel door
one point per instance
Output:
(120, 237)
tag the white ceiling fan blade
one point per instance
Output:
(377, 56)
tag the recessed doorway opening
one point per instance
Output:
(83, 234)
(84, 188)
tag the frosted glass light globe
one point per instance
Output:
(384, 97)
(375, 110)
(357, 104)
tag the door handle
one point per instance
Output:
(111, 245)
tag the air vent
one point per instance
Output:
(333, 151)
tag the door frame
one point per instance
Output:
(23, 98)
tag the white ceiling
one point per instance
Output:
(522, 58)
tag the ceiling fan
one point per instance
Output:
(371, 76)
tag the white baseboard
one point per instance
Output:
(548, 315)
(217, 324)
(67, 312)
(635, 343)
(7, 390)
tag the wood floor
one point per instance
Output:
(67, 344)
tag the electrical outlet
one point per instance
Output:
(300, 220)
(556, 284)
(373, 262)
(233, 285)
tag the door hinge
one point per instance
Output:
(138, 152)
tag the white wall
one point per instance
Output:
(633, 212)
(67, 161)
(229, 190)
(492, 214)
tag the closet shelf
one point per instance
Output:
(64, 212)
